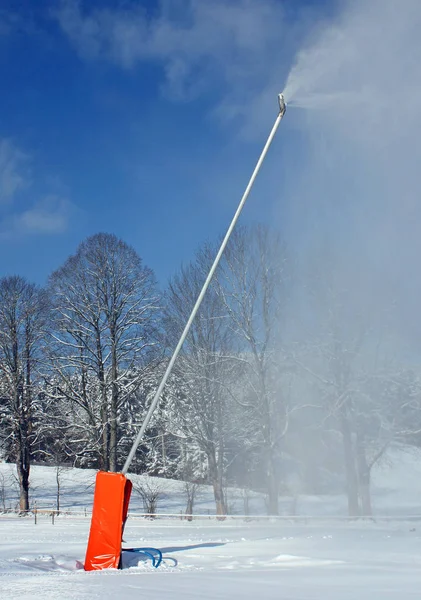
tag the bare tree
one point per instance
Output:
(386, 411)
(345, 358)
(23, 309)
(333, 358)
(204, 368)
(8, 491)
(105, 305)
(150, 490)
(60, 470)
(191, 489)
(252, 288)
(3, 492)
(190, 475)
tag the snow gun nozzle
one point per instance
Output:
(282, 104)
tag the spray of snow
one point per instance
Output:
(358, 81)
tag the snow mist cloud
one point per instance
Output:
(354, 94)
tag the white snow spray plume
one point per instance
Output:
(351, 206)
(359, 83)
(368, 56)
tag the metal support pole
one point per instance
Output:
(154, 404)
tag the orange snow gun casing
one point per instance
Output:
(109, 514)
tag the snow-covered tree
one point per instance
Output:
(23, 312)
(204, 368)
(105, 303)
(251, 285)
(345, 355)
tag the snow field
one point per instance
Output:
(319, 558)
(223, 560)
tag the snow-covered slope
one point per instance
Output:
(396, 491)
(77, 485)
(216, 560)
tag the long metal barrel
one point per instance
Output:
(155, 401)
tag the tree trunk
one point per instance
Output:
(58, 481)
(22, 458)
(350, 466)
(105, 455)
(220, 461)
(163, 452)
(216, 480)
(23, 476)
(272, 483)
(191, 494)
(105, 438)
(364, 475)
(25, 427)
(114, 404)
(246, 500)
(267, 430)
(271, 467)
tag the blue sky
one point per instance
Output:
(140, 118)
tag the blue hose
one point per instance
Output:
(150, 552)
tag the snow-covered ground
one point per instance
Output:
(225, 560)
(314, 559)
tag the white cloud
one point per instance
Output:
(197, 43)
(51, 215)
(14, 175)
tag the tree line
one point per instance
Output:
(284, 385)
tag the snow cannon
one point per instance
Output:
(282, 105)
(109, 514)
(112, 490)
